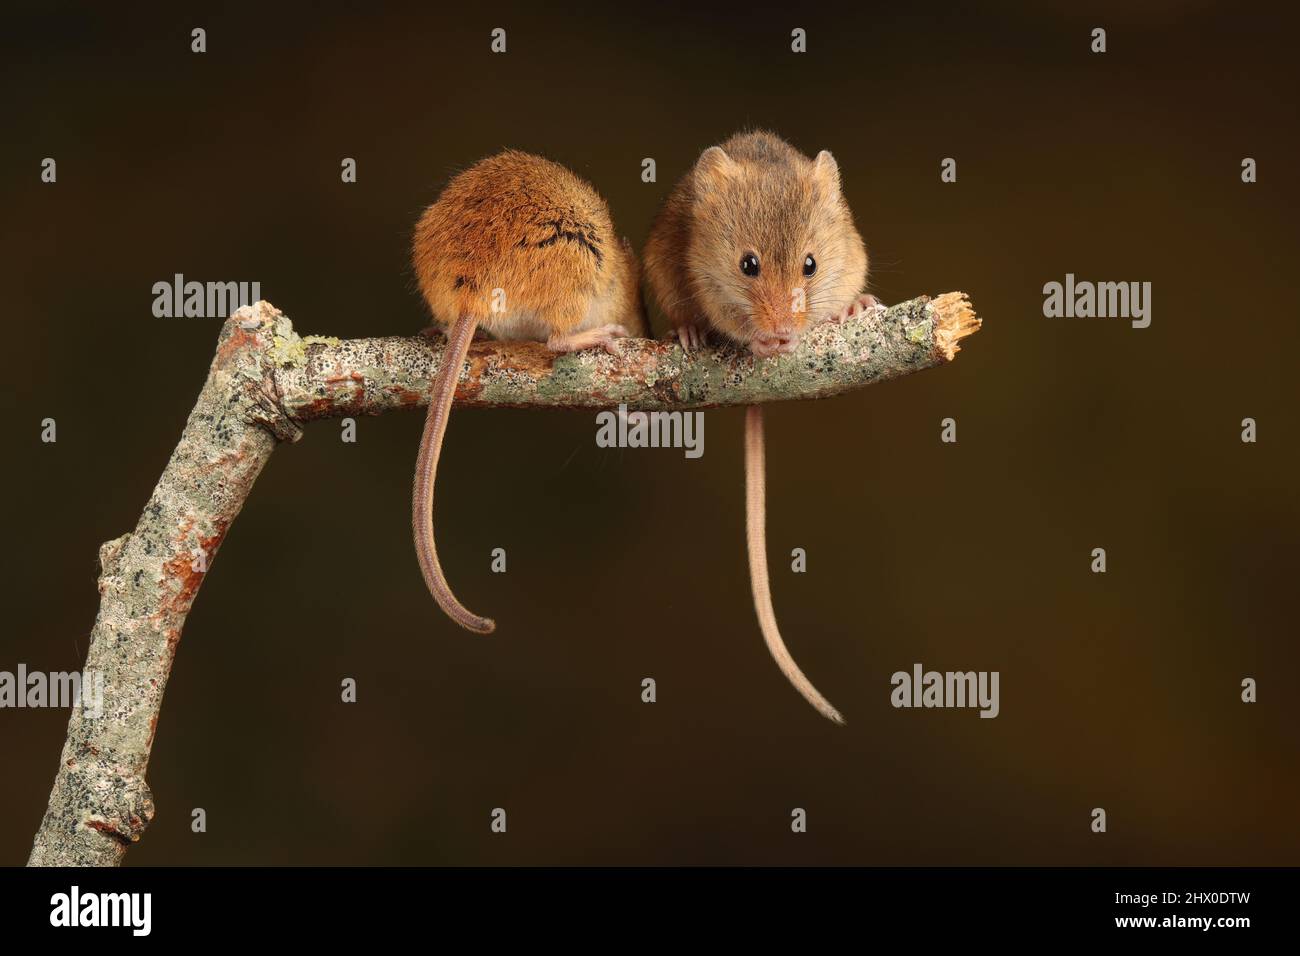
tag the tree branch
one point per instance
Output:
(265, 381)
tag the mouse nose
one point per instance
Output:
(777, 326)
(781, 338)
(784, 335)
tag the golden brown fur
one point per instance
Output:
(533, 229)
(523, 248)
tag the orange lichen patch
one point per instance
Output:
(111, 831)
(469, 390)
(343, 375)
(173, 642)
(348, 387)
(406, 397)
(180, 578)
(530, 359)
(239, 340)
(346, 399)
(316, 408)
(637, 367)
(180, 569)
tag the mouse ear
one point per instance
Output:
(827, 170)
(714, 161)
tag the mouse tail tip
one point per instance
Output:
(468, 619)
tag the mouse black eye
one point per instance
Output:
(809, 265)
(749, 264)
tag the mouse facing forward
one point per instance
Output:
(523, 249)
(756, 243)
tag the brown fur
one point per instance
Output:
(521, 247)
(532, 228)
(757, 194)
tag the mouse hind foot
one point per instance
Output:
(604, 336)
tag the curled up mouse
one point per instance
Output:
(523, 249)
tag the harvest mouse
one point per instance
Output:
(524, 249)
(757, 242)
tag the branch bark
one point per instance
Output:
(266, 381)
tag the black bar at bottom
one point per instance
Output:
(649, 906)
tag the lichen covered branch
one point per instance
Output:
(100, 803)
(326, 378)
(265, 381)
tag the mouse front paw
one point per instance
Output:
(692, 335)
(861, 304)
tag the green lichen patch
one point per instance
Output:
(287, 351)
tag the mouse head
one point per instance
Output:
(774, 247)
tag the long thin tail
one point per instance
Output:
(756, 537)
(426, 469)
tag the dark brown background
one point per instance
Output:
(1118, 690)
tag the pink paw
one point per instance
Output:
(690, 335)
(861, 304)
(607, 337)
